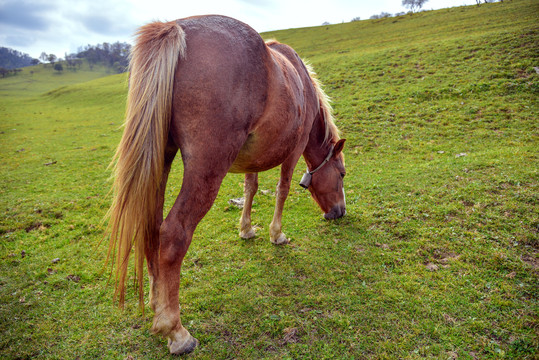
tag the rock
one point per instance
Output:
(238, 202)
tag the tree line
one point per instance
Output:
(114, 56)
(12, 59)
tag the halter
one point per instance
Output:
(307, 177)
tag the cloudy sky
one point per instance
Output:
(62, 26)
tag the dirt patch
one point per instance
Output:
(290, 336)
(37, 226)
(531, 260)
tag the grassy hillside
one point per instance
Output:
(34, 80)
(436, 258)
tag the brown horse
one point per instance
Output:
(210, 87)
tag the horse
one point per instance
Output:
(210, 87)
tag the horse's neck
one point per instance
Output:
(317, 149)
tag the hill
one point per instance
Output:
(38, 79)
(437, 256)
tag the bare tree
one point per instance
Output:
(413, 5)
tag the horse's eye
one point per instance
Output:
(343, 175)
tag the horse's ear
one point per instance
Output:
(338, 147)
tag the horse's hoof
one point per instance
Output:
(181, 342)
(248, 234)
(281, 240)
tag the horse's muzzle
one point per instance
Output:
(335, 213)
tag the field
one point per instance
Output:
(437, 256)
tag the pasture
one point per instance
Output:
(437, 256)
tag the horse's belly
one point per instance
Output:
(261, 152)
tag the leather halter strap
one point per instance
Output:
(324, 162)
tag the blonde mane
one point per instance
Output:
(332, 132)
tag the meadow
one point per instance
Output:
(437, 256)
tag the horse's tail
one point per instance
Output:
(139, 159)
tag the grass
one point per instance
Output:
(34, 80)
(436, 258)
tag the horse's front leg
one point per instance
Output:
(250, 189)
(283, 187)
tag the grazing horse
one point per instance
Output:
(210, 87)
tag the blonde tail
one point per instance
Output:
(139, 159)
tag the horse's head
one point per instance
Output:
(326, 183)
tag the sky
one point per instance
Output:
(63, 26)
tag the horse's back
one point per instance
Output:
(232, 89)
(224, 70)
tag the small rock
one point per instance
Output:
(461, 155)
(54, 261)
(239, 202)
(431, 267)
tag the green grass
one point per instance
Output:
(436, 258)
(34, 80)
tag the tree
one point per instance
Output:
(4, 72)
(44, 57)
(58, 67)
(413, 5)
(51, 58)
(357, 18)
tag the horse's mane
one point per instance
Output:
(326, 111)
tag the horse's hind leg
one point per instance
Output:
(250, 188)
(203, 174)
(152, 247)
